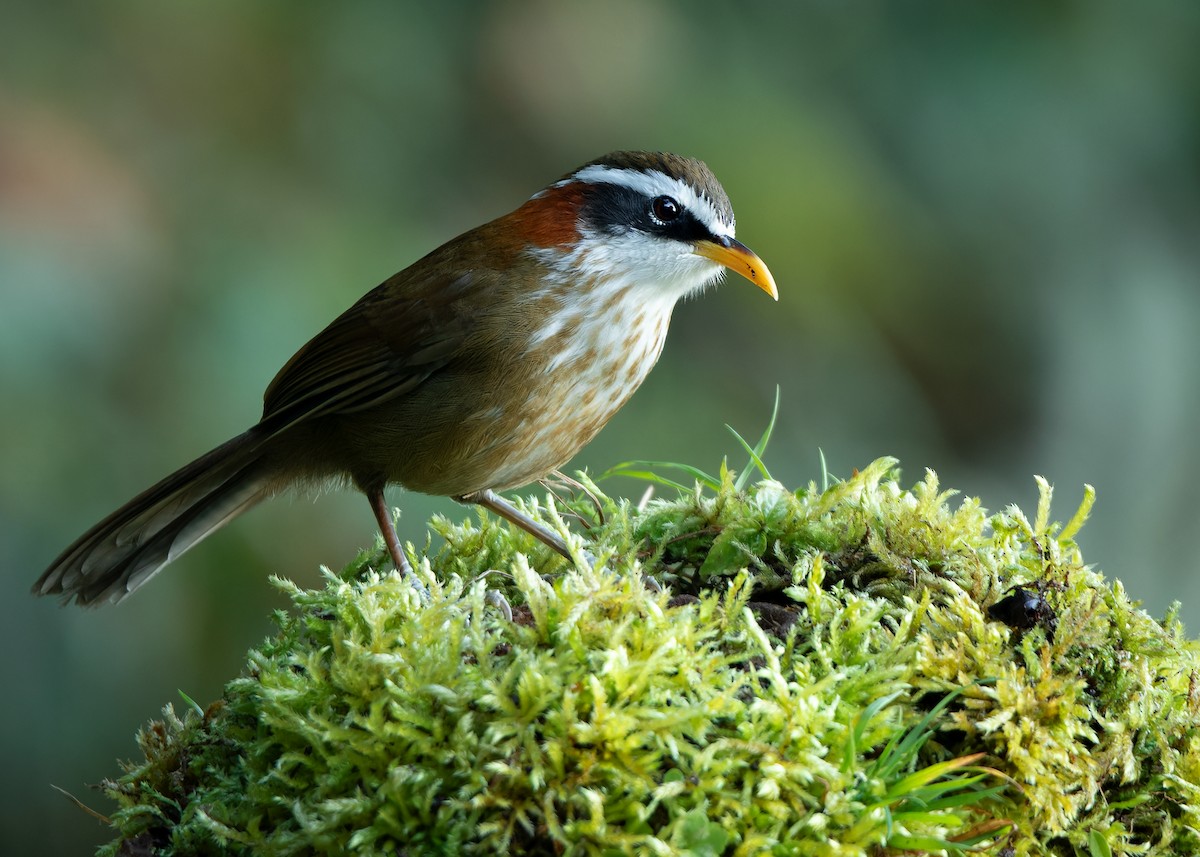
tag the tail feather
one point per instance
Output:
(135, 542)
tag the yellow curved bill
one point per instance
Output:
(736, 256)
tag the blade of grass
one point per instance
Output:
(756, 451)
(860, 726)
(904, 747)
(1097, 844)
(972, 796)
(924, 778)
(193, 704)
(755, 462)
(645, 470)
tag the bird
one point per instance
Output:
(482, 367)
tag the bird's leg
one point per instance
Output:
(490, 500)
(384, 516)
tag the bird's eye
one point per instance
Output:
(665, 209)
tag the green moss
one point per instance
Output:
(823, 673)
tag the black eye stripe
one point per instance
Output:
(616, 209)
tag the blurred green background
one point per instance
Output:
(983, 220)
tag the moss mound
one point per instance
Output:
(860, 670)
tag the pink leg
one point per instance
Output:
(384, 516)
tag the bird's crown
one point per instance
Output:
(648, 170)
(655, 193)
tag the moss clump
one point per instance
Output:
(861, 670)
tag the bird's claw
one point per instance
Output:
(421, 589)
(496, 598)
(584, 557)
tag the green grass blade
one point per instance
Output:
(966, 798)
(755, 462)
(193, 704)
(1097, 845)
(647, 472)
(756, 452)
(924, 778)
(860, 726)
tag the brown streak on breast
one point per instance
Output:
(615, 304)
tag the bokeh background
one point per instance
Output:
(984, 221)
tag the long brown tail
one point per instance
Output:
(134, 543)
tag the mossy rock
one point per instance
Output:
(859, 670)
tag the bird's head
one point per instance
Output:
(647, 218)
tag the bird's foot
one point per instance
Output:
(557, 480)
(493, 502)
(496, 598)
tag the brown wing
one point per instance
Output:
(384, 346)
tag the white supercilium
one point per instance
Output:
(653, 183)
